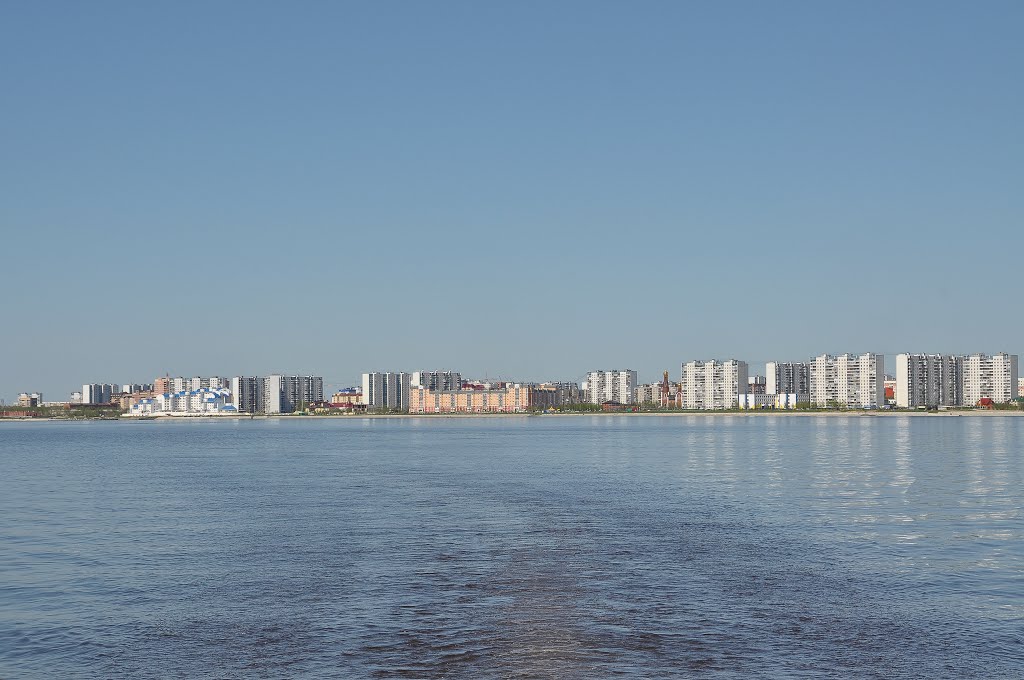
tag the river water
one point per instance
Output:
(534, 547)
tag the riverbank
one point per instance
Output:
(767, 413)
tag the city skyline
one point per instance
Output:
(530, 191)
(845, 380)
(890, 368)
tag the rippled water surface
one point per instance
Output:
(538, 547)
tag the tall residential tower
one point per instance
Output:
(993, 377)
(929, 380)
(387, 390)
(847, 380)
(618, 386)
(713, 384)
(787, 378)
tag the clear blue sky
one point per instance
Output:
(523, 189)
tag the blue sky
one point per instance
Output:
(527, 189)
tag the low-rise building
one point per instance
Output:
(770, 401)
(348, 396)
(654, 394)
(513, 398)
(128, 399)
(194, 402)
(890, 389)
(33, 400)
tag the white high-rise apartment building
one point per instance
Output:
(198, 383)
(387, 390)
(713, 384)
(299, 391)
(99, 393)
(92, 393)
(848, 380)
(787, 378)
(648, 394)
(929, 380)
(247, 394)
(994, 377)
(272, 401)
(275, 393)
(617, 386)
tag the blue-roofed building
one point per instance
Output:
(202, 401)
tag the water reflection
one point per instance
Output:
(765, 546)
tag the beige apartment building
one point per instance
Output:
(513, 398)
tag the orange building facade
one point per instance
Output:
(513, 398)
(346, 398)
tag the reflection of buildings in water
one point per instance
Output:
(727, 448)
(866, 433)
(696, 449)
(988, 461)
(866, 478)
(771, 457)
(974, 465)
(831, 456)
(902, 475)
(712, 447)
